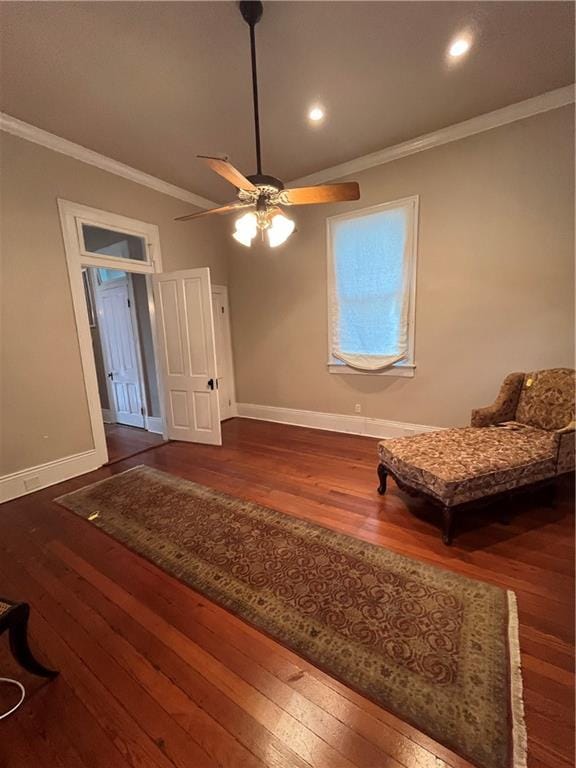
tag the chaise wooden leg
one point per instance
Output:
(447, 525)
(382, 476)
(549, 494)
(18, 636)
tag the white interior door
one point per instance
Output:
(188, 355)
(223, 351)
(119, 347)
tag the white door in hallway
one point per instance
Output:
(224, 364)
(119, 346)
(187, 347)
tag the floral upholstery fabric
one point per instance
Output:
(566, 461)
(460, 465)
(547, 399)
(527, 435)
(504, 408)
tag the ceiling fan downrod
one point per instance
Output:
(251, 11)
(266, 195)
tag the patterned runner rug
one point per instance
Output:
(437, 649)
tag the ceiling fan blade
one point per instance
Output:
(325, 193)
(225, 169)
(223, 209)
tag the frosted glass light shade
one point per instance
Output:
(246, 229)
(280, 230)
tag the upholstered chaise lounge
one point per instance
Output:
(525, 438)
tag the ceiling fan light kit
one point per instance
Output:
(262, 193)
(277, 227)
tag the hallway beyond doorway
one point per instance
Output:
(123, 442)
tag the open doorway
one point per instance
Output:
(111, 260)
(126, 369)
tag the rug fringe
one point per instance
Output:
(59, 499)
(519, 736)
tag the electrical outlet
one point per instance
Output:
(357, 408)
(31, 483)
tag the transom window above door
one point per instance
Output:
(107, 242)
(371, 279)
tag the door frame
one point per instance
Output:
(222, 290)
(72, 216)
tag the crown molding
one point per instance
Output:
(486, 122)
(543, 103)
(36, 135)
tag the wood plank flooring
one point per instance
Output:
(123, 442)
(154, 675)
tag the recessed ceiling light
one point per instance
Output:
(459, 47)
(316, 114)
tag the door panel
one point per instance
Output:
(119, 346)
(203, 411)
(174, 354)
(188, 355)
(195, 314)
(180, 418)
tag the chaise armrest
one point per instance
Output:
(566, 444)
(504, 407)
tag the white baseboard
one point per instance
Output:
(333, 422)
(108, 416)
(154, 424)
(34, 478)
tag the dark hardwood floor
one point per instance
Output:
(123, 442)
(153, 674)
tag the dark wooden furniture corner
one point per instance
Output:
(14, 619)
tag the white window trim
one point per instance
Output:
(405, 368)
(399, 370)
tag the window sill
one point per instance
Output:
(403, 371)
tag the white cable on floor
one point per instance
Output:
(22, 695)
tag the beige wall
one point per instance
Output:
(495, 285)
(44, 413)
(495, 281)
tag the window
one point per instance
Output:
(107, 275)
(372, 277)
(107, 242)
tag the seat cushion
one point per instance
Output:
(459, 465)
(547, 399)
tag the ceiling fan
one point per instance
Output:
(263, 194)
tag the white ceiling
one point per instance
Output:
(154, 83)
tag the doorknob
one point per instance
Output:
(111, 375)
(210, 383)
